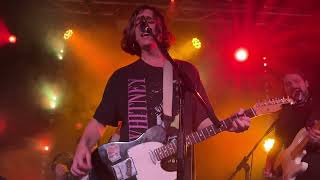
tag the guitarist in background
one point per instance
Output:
(291, 119)
(134, 94)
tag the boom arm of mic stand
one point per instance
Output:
(187, 83)
(243, 163)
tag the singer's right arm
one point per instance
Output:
(82, 159)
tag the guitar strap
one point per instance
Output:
(167, 116)
(167, 94)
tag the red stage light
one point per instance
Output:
(241, 54)
(12, 39)
(78, 126)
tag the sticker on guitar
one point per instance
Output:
(113, 151)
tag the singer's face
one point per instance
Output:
(144, 39)
(296, 87)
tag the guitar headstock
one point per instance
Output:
(271, 105)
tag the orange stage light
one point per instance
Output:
(46, 148)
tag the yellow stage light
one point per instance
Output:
(196, 43)
(53, 105)
(60, 56)
(50, 95)
(268, 144)
(68, 34)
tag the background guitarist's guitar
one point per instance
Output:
(289, 160)
(142, 157)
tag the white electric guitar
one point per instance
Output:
(142, 157)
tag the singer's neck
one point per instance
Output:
(153, 57)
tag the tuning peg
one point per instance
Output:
(258, 103)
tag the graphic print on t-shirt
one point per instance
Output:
(137, 108)
(156, 106)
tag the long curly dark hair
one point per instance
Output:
(128, 42)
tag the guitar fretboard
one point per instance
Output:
(199, 136)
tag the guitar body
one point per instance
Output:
(124, 160)
(147, 167)
(289, 160)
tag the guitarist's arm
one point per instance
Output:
(239, 125)
(271, 157)
(82, 159)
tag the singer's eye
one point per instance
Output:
(150, 20)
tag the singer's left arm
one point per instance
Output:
(242, 123)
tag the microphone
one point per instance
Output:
(144, 27)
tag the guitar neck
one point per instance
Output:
(200, 135)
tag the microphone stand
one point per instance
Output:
(184, 84)
(244, 162)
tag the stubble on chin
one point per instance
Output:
(146, 47)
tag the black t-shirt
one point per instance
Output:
(291, 120)
(133, 95)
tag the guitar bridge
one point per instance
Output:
(124, 169)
